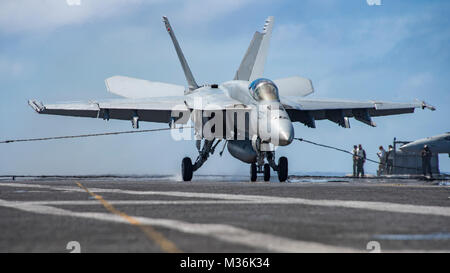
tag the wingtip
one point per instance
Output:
(428, 106)
(37, 106)
(424, 105)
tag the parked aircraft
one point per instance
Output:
(438, 144)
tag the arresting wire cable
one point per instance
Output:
(350, 153)
(89, 135)
(170, 128)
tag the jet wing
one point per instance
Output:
(339, 111)
(152, 110)
(158, 109)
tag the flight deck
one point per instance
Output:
(223, 214)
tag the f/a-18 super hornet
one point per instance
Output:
(251, 114)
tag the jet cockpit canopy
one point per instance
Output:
(264, 89)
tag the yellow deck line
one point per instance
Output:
(165, 244)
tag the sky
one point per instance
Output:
(62, 50)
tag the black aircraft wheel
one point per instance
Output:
(253, 172)
(186, 169)
(282, 169)
(266, 172)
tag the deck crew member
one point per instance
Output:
(382, 165)
(390, 160)
(426, 161)
(355, 159)
(361, 160)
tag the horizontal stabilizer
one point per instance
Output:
(137, 89)
(294, 86)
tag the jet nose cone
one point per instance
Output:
(412, 147)
(286, 134)
(405, 147)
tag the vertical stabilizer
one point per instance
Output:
(187, 71)
(252, 65)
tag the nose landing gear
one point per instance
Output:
(253, 172)
(266, 172)
(281, 168)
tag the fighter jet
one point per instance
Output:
(438, 144)
(253, 115)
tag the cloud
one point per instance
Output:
(11, 68)
(25, 15)
(370, 37)
(421, 85)
(330, 52)
(420, 81)
(36, 15)
(196, 11)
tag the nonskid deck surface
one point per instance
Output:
(223, 214)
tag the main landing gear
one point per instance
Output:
(187, 168)
(259, 167)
